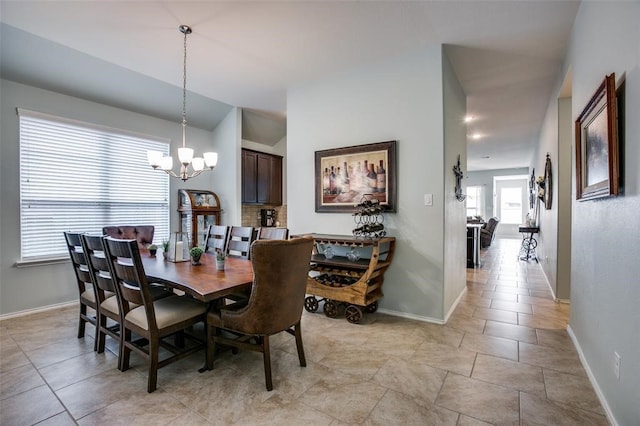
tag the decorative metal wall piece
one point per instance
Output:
(548, 184)
(457, 171)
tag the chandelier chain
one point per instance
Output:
(184, 83)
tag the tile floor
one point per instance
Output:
(504, 357)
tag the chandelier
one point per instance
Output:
(185, 155)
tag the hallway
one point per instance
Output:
(504, 358)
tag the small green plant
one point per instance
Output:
(153, 247)
(165, 246)
(196, 252)
(220, 255)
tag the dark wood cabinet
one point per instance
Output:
(261, 178)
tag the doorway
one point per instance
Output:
(510, 204)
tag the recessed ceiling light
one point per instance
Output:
(468, 118)
(475, 136)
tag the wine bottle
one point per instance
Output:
(381, 178)
(325, 181)
(372, 179)
(338, 181)
(346, 186)
(332, 182)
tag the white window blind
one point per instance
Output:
(80, 177)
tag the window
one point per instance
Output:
(511, 205)
(475, 201)
(80, 177)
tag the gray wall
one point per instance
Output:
(605, 246)
(485, 178)
(397, 100)
(37, 286)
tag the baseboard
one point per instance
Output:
(36, 310)
(411, 316)
(455, 304)
(592, 379)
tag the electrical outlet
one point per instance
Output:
(616, 365)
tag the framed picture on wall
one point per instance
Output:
(597, 144)
(343, 176)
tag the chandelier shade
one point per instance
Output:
(190, 166)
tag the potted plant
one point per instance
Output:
(165, 248)
(220, 256)
(196, 253)
(153, 249)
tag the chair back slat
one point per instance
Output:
(98, 265)
(216, 239)
(126, 269)
(78, 261)
(240, 239)
(268, 233)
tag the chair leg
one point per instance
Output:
(81, 320)
(154, 349)
(126, 351)
(100, 335)
(266, 356)
(303, 361)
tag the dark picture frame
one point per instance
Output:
(597, 168)
(340, 192)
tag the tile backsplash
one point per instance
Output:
(251, 215)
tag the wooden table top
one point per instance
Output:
(203, 282)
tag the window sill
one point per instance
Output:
(40, 262)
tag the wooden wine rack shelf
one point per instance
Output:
(340, 281)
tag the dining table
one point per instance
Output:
(202, 282)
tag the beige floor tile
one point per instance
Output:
(62, 419)
(457, 360)
(357, 360)
(496, 315)
(466, 323)
(349, 399)
(558, 339)
(436, 333)
(539, 411)
(59, 351)
(572, 390)
(30, 407)
(533, 300)
(94, 393)
(509, 297)
(78, 368)
(399, 409)
(411, 377)
(564, 360)
(540, 322)
(512, 290)
(511, 331)
(511, 306)
(18, 380)
(11, 356)
(157, 408)
(470, 421)
(497, 346)
(479, 399)
(509, 374)
(278, 411)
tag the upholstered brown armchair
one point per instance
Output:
(487, 233)
(280, 270)
(142, 233)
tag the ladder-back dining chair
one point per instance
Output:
(154, 320)
(86, 290)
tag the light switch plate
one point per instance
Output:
(428, 199)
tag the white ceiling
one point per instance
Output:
(506, 55)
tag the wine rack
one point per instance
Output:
(368, 218)
(347, 273)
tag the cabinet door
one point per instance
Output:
(249, 177)
(275, 190)
(264, 179)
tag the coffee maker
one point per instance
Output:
(267, 217)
